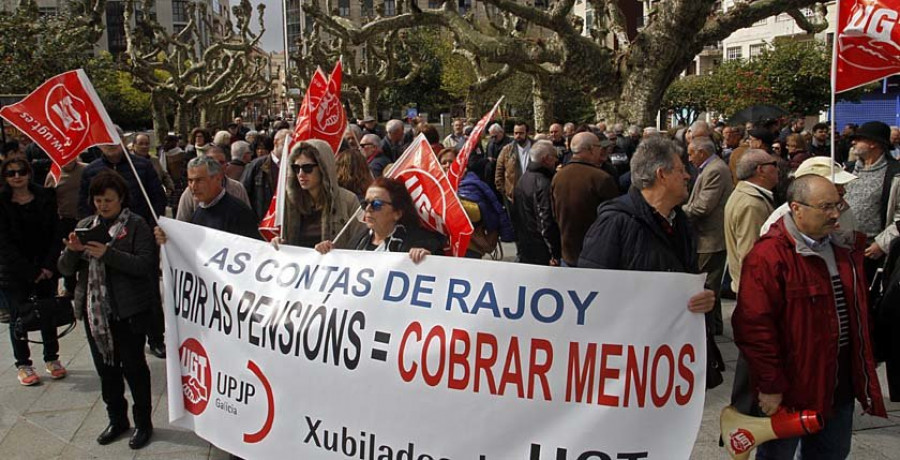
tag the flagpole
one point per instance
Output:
(834, 58)
(138, 179)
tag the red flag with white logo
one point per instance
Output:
(868, 42)
(433, 197)
(318, 84)
(458, 168)
(64, 116)
(327, 117)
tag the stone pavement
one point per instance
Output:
(61, 419)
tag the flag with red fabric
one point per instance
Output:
(458, 168)
(434, 198)
(64, 116)
(868, 42)
(314, 92)
(321, 116)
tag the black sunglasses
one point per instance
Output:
(768, 163)
(376, 204)
(15, 172)
(307, 168)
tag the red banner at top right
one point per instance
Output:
(868, 42)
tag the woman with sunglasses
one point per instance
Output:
(392, 224)
(317, 208)
(28, 251)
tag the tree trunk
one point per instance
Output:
(472, 105)
(543, 103)
(370, 102)
(158, 114)
(182, 122)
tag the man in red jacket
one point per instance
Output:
(802, 322)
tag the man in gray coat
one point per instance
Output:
(706, 210)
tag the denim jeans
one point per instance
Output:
(832, 443)
(21, 350)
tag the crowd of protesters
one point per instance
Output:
(807, 246)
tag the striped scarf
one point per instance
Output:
(99, 308)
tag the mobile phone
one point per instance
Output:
(96, 233)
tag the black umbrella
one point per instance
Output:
(758, 113)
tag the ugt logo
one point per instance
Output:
(328, 114)
(867, 40)
(196, 376)
(67, 114)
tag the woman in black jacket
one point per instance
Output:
(116, 270)
(392, 224)
(28, 249)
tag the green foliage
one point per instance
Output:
(687, 98)
(794, 75)
(426, 91)
(126, 105)
(34, 48)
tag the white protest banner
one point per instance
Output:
(364, 355)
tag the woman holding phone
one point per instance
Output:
(116, 266)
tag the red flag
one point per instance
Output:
(64, 116)
(868, 42)
(435, 200)
(327, 118)
(318, 84)
(458, 168)
(55, 172)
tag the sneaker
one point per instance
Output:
(27, 376)
(56, 370)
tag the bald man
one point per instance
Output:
(577, 189)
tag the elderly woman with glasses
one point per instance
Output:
(317, 208)
(392, 224)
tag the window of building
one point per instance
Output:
(115, 27)
(344, 8)
(179, 11)
(588, 21)
(733, 52)
(464, 6)
(756, 50)
(390, 7)
(543, 4)
(368, 8)
(434, 4)
(761, 22)
(47, 11)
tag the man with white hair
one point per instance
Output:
(706, 210)
(188, 203)
(240, 156)
(222, 138)
(748, 207)
(393, 146)
(538, 240)
(371, 149)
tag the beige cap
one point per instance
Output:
(822, 166)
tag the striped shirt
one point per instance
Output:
(843, 316)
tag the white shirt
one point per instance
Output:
(524, 154)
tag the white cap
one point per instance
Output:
(822, 166)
